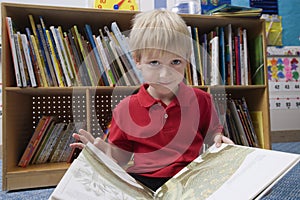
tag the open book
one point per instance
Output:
(228, 172)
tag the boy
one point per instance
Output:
(164, 125)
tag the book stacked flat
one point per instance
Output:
(238, 11)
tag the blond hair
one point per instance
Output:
(160, 30)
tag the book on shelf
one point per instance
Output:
(257, 69)
(45, 49)
(239, 124)
(232, 10)
(122, 41)
(95, 51)
(50, 142)
(21, 60)
(35, 140)
(257, 121)
(227, 172)
(106, 64)
(228, 53)
(27, 58)
(33, 59)
(214, 74)
(191, 70)
(62, 61)
(61, 80)
(197, 53)
(11, 31)
(222, 67)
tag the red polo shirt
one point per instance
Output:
(163, 138)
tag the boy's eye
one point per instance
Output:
(176, 62)
(154, 63)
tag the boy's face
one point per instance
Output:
(162, 70)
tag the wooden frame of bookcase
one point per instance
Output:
(21, 105)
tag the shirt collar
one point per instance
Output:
(183, 96)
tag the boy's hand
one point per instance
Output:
(219, 139)
(84, 137)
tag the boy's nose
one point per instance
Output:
(165, 71)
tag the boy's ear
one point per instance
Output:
(136, 60)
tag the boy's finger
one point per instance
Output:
(88, 136)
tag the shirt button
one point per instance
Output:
(166, 115)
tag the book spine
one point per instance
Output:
(55, 60)
(84, 56)
(33, 56)
(46, 57)
(222, 66)
(31, 147)
(71, 57)
(96, 53)
(199, 56)
(215, 75)
(10, 31)
(246, 59)
(113, 46)
(124, 45)
(65, 55)
(193, 62)
(230, 52)
(106, 65)
(237, 60)
(28, 60)
(39, 61)
(20, 59)
(61, 58)
(78, 58)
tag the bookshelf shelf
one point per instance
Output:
(92, 104)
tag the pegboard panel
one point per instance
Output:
(101, 113)
(67, 108)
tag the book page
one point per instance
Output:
(228, 172)
(259, 169)
(93, 175)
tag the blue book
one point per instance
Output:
(89, 34)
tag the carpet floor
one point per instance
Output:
(287, 188)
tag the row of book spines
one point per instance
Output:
(221, 59)
(50, 142)
(68, 59)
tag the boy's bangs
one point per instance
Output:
(163, 40)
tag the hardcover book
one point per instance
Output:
(227, 172)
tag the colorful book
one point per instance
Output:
(35, 140)
(105, 61)
(124, 45)
(229, 52)
(55, 60)
(214, 68)
(33, 56)
(95, 51)
(10, 30)
(26, 52)
(257, 58)
(62, 59)
(232, 10)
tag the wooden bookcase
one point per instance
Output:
(22, 106)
